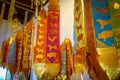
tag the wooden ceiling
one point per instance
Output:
(20, 7)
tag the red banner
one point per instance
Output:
(53, 37)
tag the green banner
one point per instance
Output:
(114, 6)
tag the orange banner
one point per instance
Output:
(40, 48)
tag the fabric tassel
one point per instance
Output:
(2, 14)
(11, 11)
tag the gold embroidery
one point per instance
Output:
(40, 43)
(40, 50)
(54, 17)
(103, 22)
(105, 34)
(53, 32)
(78, 27)
(39, 56)
(78, 8)
(80, 37)
(41, 37)
(103, 11)
(118, 31)
(53, 25)
(52, 39)
(52, 47)
(41, 31)
(52, 55)
(78, 17)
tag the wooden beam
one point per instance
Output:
(20, 5)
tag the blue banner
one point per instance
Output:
(102, 23)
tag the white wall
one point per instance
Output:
(66, 19)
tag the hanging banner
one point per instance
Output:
(26, 47)
(79, 24)
(12, 57)
(63, 59)
(102, 24)
(79, 30)
(114, 6)
(7, 50)
(69, 59)
(53, 33)
(19, 38)
(2, 57)
(27, 43)
(40, 47)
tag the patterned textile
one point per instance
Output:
(19, 43)
(12, 57)
(69, 59)
(53, 33)
(63, 58)
(79, 30)
(2, 53)
(7, 50)
(26, 47)
(79, 24)
(102, 24)
(40, 47)
(114, 6)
